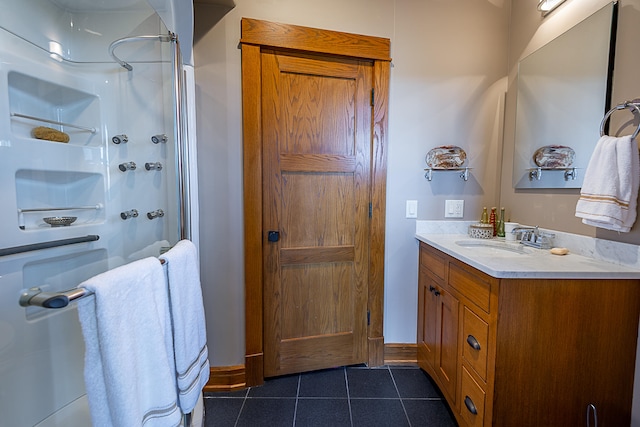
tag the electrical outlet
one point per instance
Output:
(453, 208)
(412, 209)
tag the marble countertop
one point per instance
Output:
(512, 260)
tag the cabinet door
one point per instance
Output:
(447, 342)
(427, 315)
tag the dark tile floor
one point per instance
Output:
(348, 396)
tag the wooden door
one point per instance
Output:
(316, 142)
(304, 175)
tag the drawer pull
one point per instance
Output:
(470, 406)
(434, 291)
(473, 342)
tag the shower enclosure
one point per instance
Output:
(109, 74)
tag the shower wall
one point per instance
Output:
(55, 67)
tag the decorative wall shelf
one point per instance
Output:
(536, 173)
(464, 172)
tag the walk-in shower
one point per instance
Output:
(112, 82)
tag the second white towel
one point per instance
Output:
(189, 330)
(609, 194)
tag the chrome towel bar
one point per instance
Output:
(36, 297)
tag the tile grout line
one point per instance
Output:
(242, 407)
(346, 381)
(399, 397)
(295, 408)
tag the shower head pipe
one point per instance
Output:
(159, 37)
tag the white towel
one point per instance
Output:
(609, 194)
(129, 367)
(189, 330)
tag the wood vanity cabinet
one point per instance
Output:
(527, 352)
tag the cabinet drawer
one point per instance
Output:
(431, 260)
(473, 400)
(471, 284)
(475, 336)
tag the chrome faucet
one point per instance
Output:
(532, 236)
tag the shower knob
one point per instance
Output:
(155, 166)
(127, 166)
(159, 138)
(120, 138)
(159, 213)
(133, 213)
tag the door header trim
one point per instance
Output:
(272, 34)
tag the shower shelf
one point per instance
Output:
(55, 122)
(21, 212)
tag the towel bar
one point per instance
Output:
(35, 297)
(632, 105)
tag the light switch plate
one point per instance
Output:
(453, 208)
(412, 209)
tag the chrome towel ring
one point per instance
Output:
(632, 105)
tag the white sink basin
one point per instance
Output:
(495, 248)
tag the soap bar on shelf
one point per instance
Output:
(559, 251)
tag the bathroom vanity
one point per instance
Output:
(516, 336)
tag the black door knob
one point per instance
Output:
(273, 236)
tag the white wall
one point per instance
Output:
(447, 87)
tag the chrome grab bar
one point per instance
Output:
(46, 245)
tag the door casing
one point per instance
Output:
(255, 35)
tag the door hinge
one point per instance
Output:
(370, 210)
(368, 318)
(372, 96)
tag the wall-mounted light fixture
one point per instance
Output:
(546, 6)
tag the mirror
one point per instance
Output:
(564, 90)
